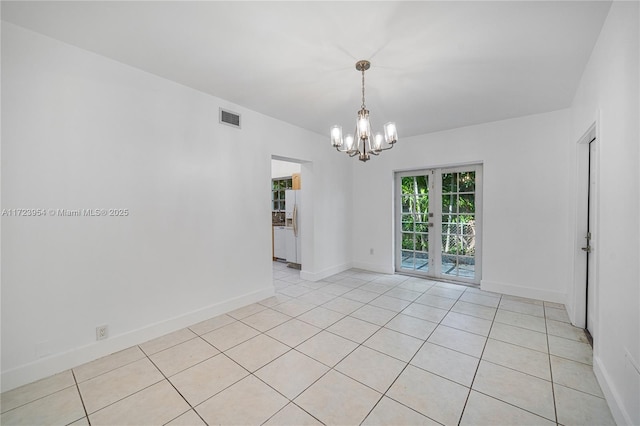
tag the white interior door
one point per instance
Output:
(438, 223)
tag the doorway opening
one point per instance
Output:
(286, 211)
(438, 223)
(585, 297)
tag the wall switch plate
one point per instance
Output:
(102, 332)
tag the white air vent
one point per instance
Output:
(229, 118)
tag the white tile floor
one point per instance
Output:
(356, 348)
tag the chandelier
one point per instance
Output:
(364, 143)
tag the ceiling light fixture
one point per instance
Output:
(364, 143)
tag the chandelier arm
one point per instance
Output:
(347, 151)
(388, 148)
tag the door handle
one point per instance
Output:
(588, 247)
(295, 220)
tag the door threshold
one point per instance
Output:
(440, 280)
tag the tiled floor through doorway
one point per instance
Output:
(355, 348)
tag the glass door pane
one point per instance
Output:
(414, 223)
(458, 225)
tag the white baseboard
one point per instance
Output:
(529, 292)
(620, 415)
(374, 267)
(57, 363)
(317, 276)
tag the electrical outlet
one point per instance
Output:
(370, 251)
(102, 332)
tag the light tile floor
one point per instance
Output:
(355, 348)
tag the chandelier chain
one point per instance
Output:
(363, 106)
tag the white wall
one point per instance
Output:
(525, 207)
(82, 132)
(608, 95)
(284, 168)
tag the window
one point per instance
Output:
(278, 186)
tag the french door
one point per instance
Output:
(438, 223)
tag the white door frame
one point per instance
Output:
(579, 299)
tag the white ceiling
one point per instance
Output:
(435, 65)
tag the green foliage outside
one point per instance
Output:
(278, 186)
(415, 213)
(458, 213)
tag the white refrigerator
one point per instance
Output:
(293, 203)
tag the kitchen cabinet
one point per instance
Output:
(295, 181)
(279, 242)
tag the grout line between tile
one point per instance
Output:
(285, 406)
(464, 406)
(221, 390)
(513, 405)
(359, 344)
(112, 369)
(196, 335)
(131, 394)
(182, 414)
(553, 386)
(291, 401)
(404, 368)
(80, 395)
(168, 381)
(39, 398)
